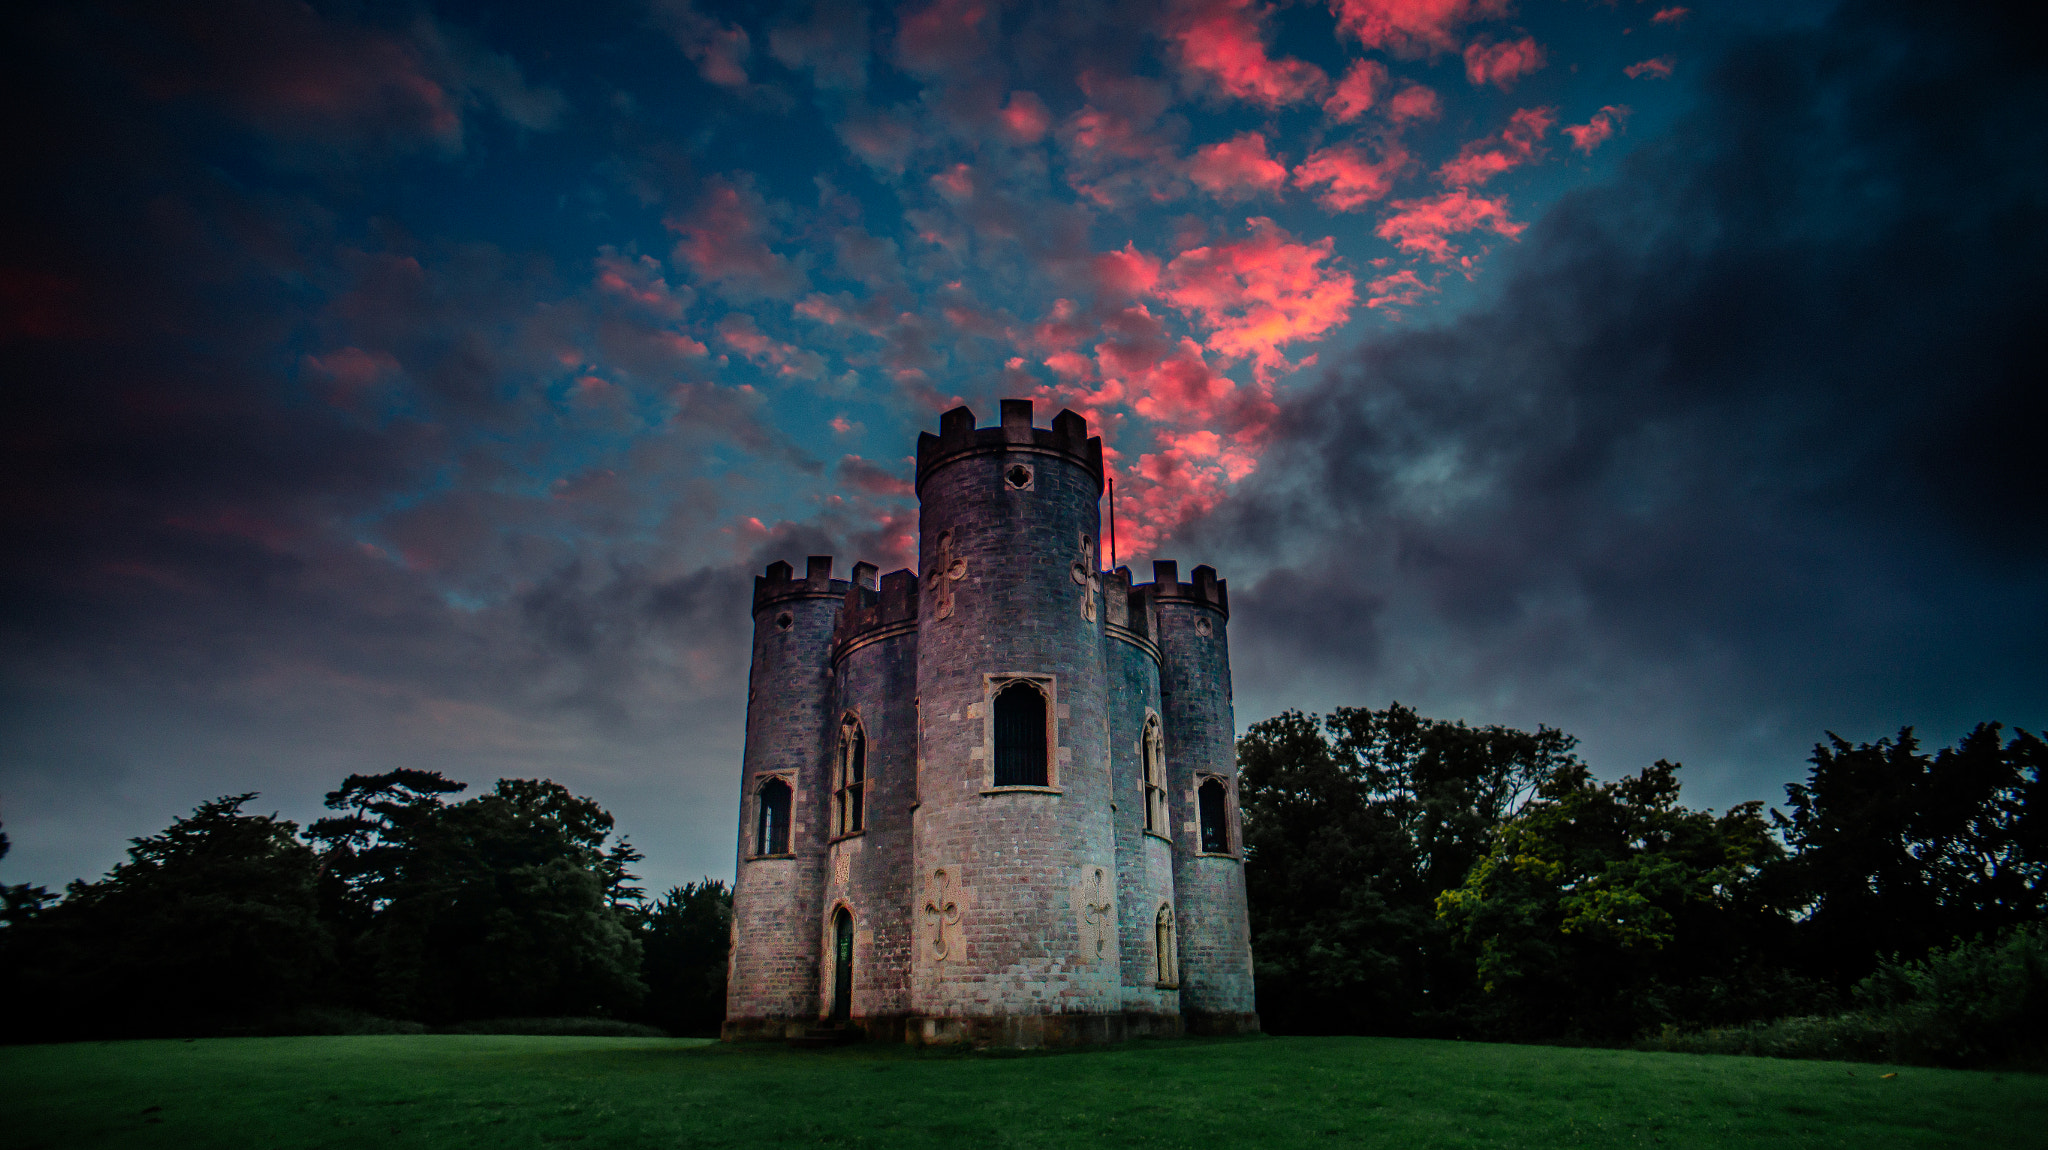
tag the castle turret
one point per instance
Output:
(1016, 860)
(772, 985)
(1201, 756)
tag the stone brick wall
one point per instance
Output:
(1017, 888)
(1216, 958)
(871, 873)
(1144, 862)
(773, 973)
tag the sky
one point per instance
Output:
(421, 385)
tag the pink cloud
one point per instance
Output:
(1411, 28)
(1670, 15)
(351, 372)
(1237, 168)
(1503, 63)
(737, 331)
(1065, 328)
(942, 37)
(1261, 293)
(1351, 175)
(1116, 146)
(1126, 274)
(719, 50)
(1395, 290)
(639, 282)
(872, 478)
(1413, 102)
(1025, 119)
(1223, 43)
(1599, 129)
(1515, 145)
(1362, 86)
(1423, 226)
(1658, 68)
(723, 240)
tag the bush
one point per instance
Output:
(1977, 1002)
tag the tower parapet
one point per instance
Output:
(958, 438)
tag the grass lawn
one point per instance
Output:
(498, 1091)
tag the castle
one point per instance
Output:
(993, 800)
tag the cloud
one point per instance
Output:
(718, 49)
(1424, 226)
(873, 478)
(1364, 82)
(830, 42)
(1396, 290)
(1352, 175)
(1413, 103)
(1237, 168)
(942, 38)
(1658, 68)
(1025, 119)
(1411, 28)
(1670, 15)
(1121, 146)
(1501, 64)
(1598, 130)
(1261, 293)
(1716, 471)
(724, 241)
(1519, 143)
(1222, 44)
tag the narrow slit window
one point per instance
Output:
(1020, 736)
(1215, 818)
(772, 835)
(853, 773)
(1153, 750)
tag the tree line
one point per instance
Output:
(1412, 876)
(406, 904)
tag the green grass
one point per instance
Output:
(508, 1091)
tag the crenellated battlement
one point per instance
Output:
(780, 582)
(958, 438)
(1206, 589)
(873, 608)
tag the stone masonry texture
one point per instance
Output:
(1015, 915)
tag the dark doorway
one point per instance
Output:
(842, 965)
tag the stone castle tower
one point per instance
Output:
(994, 799)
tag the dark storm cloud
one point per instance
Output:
(1748, 445)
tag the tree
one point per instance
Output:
(685, 940)
(1353, 824)
(1606, 909)
(1896, 852)
(212, 923)
(498, 906)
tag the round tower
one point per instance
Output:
(1201, 760)
(1015, 896)
(772, 986)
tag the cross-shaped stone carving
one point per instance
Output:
(1091, 898)
(1083, 573)
(940, 577)
(941, 912)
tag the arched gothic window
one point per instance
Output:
(771, 836)
(1162, 939)
(1020, 731)
(1215, 812)
(850, 787)
(1152, 749)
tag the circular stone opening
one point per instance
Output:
(1018, 476)
(785, 621)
